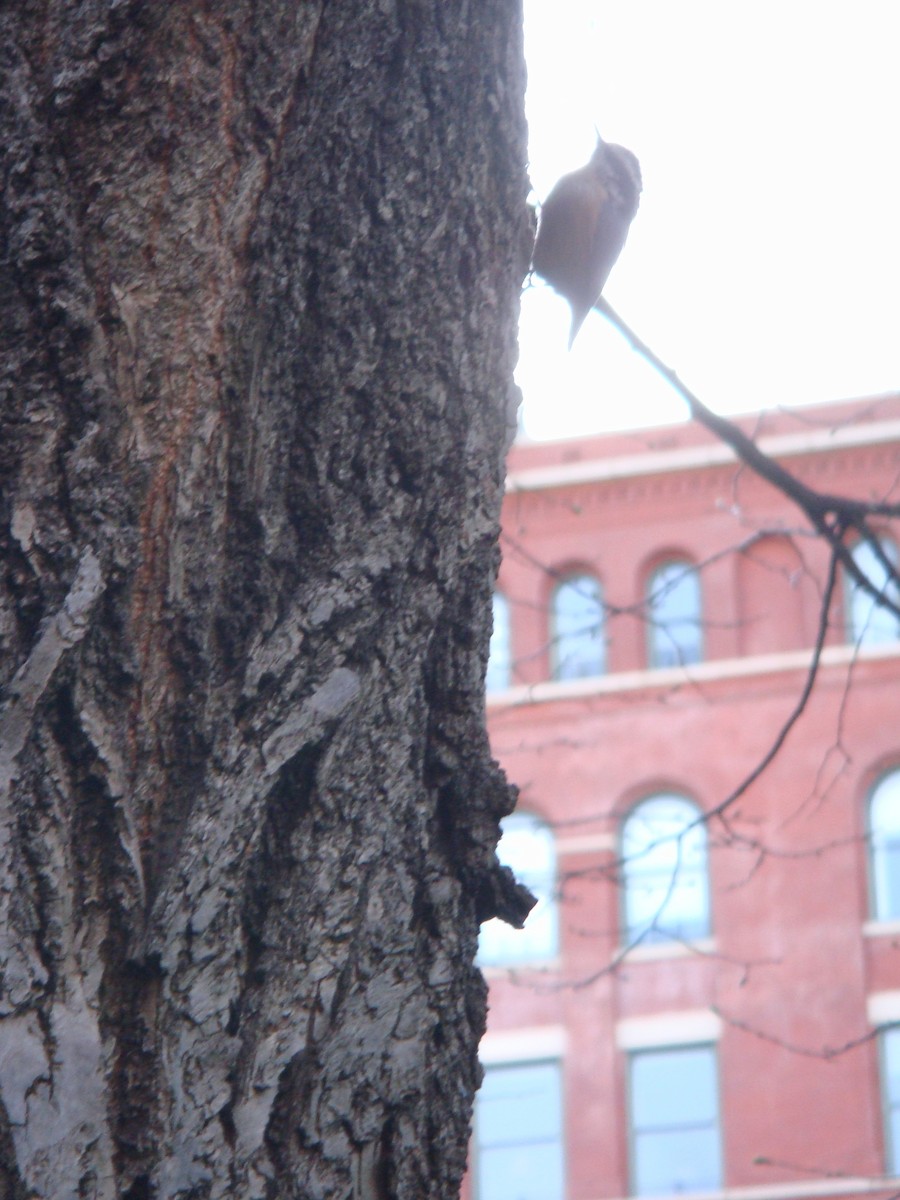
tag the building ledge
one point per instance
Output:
(528, 1043)
(873, 929)
(883, 1008)
(691, 1027)
(587, 843)
(525, 966)
(655, 950)
(834, 1185)
(699, 673)
(687, 458)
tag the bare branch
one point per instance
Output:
(831, 515)
(824, 1052)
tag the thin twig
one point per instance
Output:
(827, 1053)
(802, 699)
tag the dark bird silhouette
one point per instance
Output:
(583, 225)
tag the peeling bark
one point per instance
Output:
(260, 269)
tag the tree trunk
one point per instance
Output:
(261, 265)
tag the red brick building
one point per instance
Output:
(700, 1003)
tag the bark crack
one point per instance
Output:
(63, 631)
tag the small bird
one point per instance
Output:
(583, 225)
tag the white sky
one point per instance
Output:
(764, 261)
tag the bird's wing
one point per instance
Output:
(607, 239)
(568, 219)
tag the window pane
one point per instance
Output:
(521, 1173)
(527, 847)
(893, 1159)
(499, 656)
(675, 1121)
(674, 613)
(674, 1088)
(887, 880)
(519, 1104)
(685, 1161)
(518, 1127)
(870, 623)
(890, 1065)
(665, 871)
(884, 832)
(578, 638)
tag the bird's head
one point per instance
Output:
(619, 170)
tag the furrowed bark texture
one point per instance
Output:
(260, 274)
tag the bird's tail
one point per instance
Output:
(578, 316)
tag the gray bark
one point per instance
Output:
(260, 273)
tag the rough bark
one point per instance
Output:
(260, 272)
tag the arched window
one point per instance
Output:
(884, 847)
(773, 590)
(870, 623)
(664, 864)
(673, 613)
(526, 846)
(578, 644)
(499, 668)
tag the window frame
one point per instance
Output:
(656, 626)
(547, 909)
(876, 864)
(555, 1061)
(500, 598)
(632, 1132)
(577, 576)
(888, 1107)
(852, 590)
(655, 934)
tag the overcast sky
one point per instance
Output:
(764, 261)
